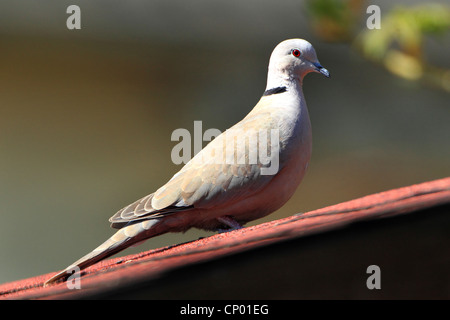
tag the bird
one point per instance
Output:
(220, 189)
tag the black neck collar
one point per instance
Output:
(274, 91)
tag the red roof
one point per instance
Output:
(126, 271)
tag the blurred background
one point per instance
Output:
(86, 115)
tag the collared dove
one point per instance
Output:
(221, 189)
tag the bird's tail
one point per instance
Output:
(122, 239)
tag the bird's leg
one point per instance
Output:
(230, 222)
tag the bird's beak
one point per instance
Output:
(321, 69)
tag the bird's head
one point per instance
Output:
(291, 60)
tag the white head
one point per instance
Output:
(290, 61)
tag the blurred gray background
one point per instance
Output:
(86, 115)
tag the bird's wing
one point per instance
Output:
(213, 177)
(142, 210)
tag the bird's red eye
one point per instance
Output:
(296, 53)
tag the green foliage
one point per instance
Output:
(398, 45)
(405, 27)
(333, 9)
(334, 20)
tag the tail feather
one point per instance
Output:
(122, 239)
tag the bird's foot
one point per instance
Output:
(230, 222)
